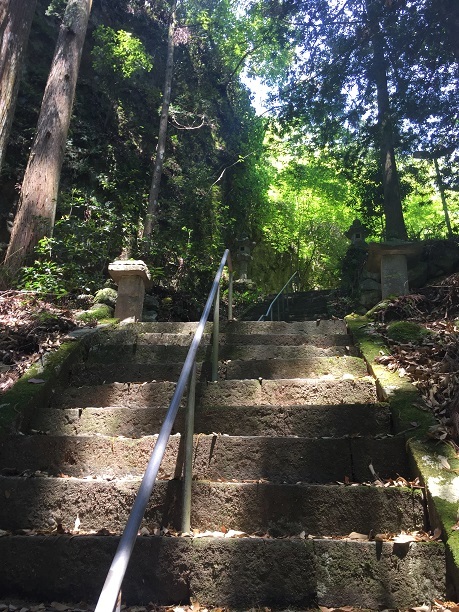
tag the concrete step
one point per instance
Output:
(280, 392)
(316, 327)
(318, 340)
(216, 457)
(280, 510)
(143, 353)
(238, 573)
(304, 421)
(295, 367)
(311, 367)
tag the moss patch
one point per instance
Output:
(434, 462)
(97, 312)
(406, 331)
(33, 389)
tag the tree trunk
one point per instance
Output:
(15, 22)
(37, 203)
(151, 218)
(395, 224)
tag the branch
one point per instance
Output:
(240, 160)
(180, 126)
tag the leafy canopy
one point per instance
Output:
(119, 52)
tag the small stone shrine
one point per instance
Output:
(383, 271)
(132, 277)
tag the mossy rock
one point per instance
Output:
(107, 296)
(406, 331)
(98, 312)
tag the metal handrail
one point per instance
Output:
(112, 586)
(269, 314)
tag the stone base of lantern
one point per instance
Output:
(391, 259)
(132, 277)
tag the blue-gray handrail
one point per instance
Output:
(269, 314)
(110, 591)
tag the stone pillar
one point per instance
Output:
(391, 260)
(131, 277)
(394, 275)
(243, 256)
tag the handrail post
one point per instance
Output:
(216, 331)
(188, 460)
(230, 296)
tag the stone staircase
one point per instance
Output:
(301, 305)
(283, 445)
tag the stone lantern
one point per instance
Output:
(357, 233)
(132, 277)
(243, 255)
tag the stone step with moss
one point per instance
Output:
(312, 421)
(240, 573)
(278, 510)
(216, 457)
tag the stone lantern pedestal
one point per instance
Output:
(243, 256)
(132, 277)
(392, 260)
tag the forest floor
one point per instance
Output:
(29, 328)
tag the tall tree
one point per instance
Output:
(152, 210)
(356, 72)
(395, 224)
(15, 22)
(37, 203)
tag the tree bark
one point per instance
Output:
(37, 203)
(395, 223)
(15, 22)
(151, 218)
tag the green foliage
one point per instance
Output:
(294, 195)
(86, 238)
(45, 277)
(309, 211)
(331, 94)
(56, 8)
(119, 52)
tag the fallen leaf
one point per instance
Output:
(436, 534)
(76, 526)
(404, 538)
(444, 462)
(232, 533)
(195, 605)
(37, 381)
(357, 536)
